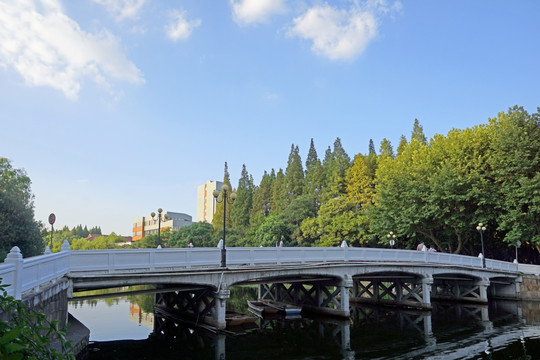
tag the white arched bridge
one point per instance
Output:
(323, 280)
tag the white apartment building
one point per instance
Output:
(146, 225)
(206, 203)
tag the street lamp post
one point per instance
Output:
(225, 198)
(481, 228)
(392, 239)
(159, 217)
(518, 244)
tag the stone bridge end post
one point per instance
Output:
(15, 257)
(65, 246)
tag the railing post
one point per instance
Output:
(65, 246)
(15, 257)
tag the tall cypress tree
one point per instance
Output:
(312, 158)
(372, 159)
(418, 132)
(314, 180)
(402, 144)
(294, 175)
(386, 149)
(371, 148)
(360, 189)
(262, 195)
(336, 171)
(244, 200)
(279, 193)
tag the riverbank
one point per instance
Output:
(78, 334)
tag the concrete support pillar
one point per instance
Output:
(220, 308)
(344, 287)
(319, 295)
(428, 329)
(399, 289)
(220, 347)
(15, 257)
(427, 281)
(345, 328)
(482, 289)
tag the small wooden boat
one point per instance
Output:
(283, 308)
(261, 308)
(235, 319)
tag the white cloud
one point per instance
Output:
(179, 28)
(122, 9)
(246, 12)
(49, 49)
(340, 34)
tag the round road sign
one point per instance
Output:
(52, 218)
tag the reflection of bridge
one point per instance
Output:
(421, 334)
(320, 279)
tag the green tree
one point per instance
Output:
(294, 175)
(371, 160)
(314, 178)
(336, 166)
(199, 234)
(111, 241)
(371, 148)
(402, 144)
(515, 167)
(360, 182)
(17, 224)
(271, 231)
(244, 201)
(338, 219)
(262, 195)
(386, 148)
(418, 132)
(279, 193)
(440, 191)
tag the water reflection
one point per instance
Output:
(504, 330)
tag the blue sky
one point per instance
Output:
(118, 107)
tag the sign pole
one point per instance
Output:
(52, 219)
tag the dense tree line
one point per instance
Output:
(434, 190)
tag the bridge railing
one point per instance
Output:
(529, 269)
(26, 274)
(126, 260)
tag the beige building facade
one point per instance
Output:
(206, 203)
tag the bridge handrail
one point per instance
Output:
(7, 274)
(529, 269)
(39, 270)
(115, 260)
(30, 273)
(26, 274)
